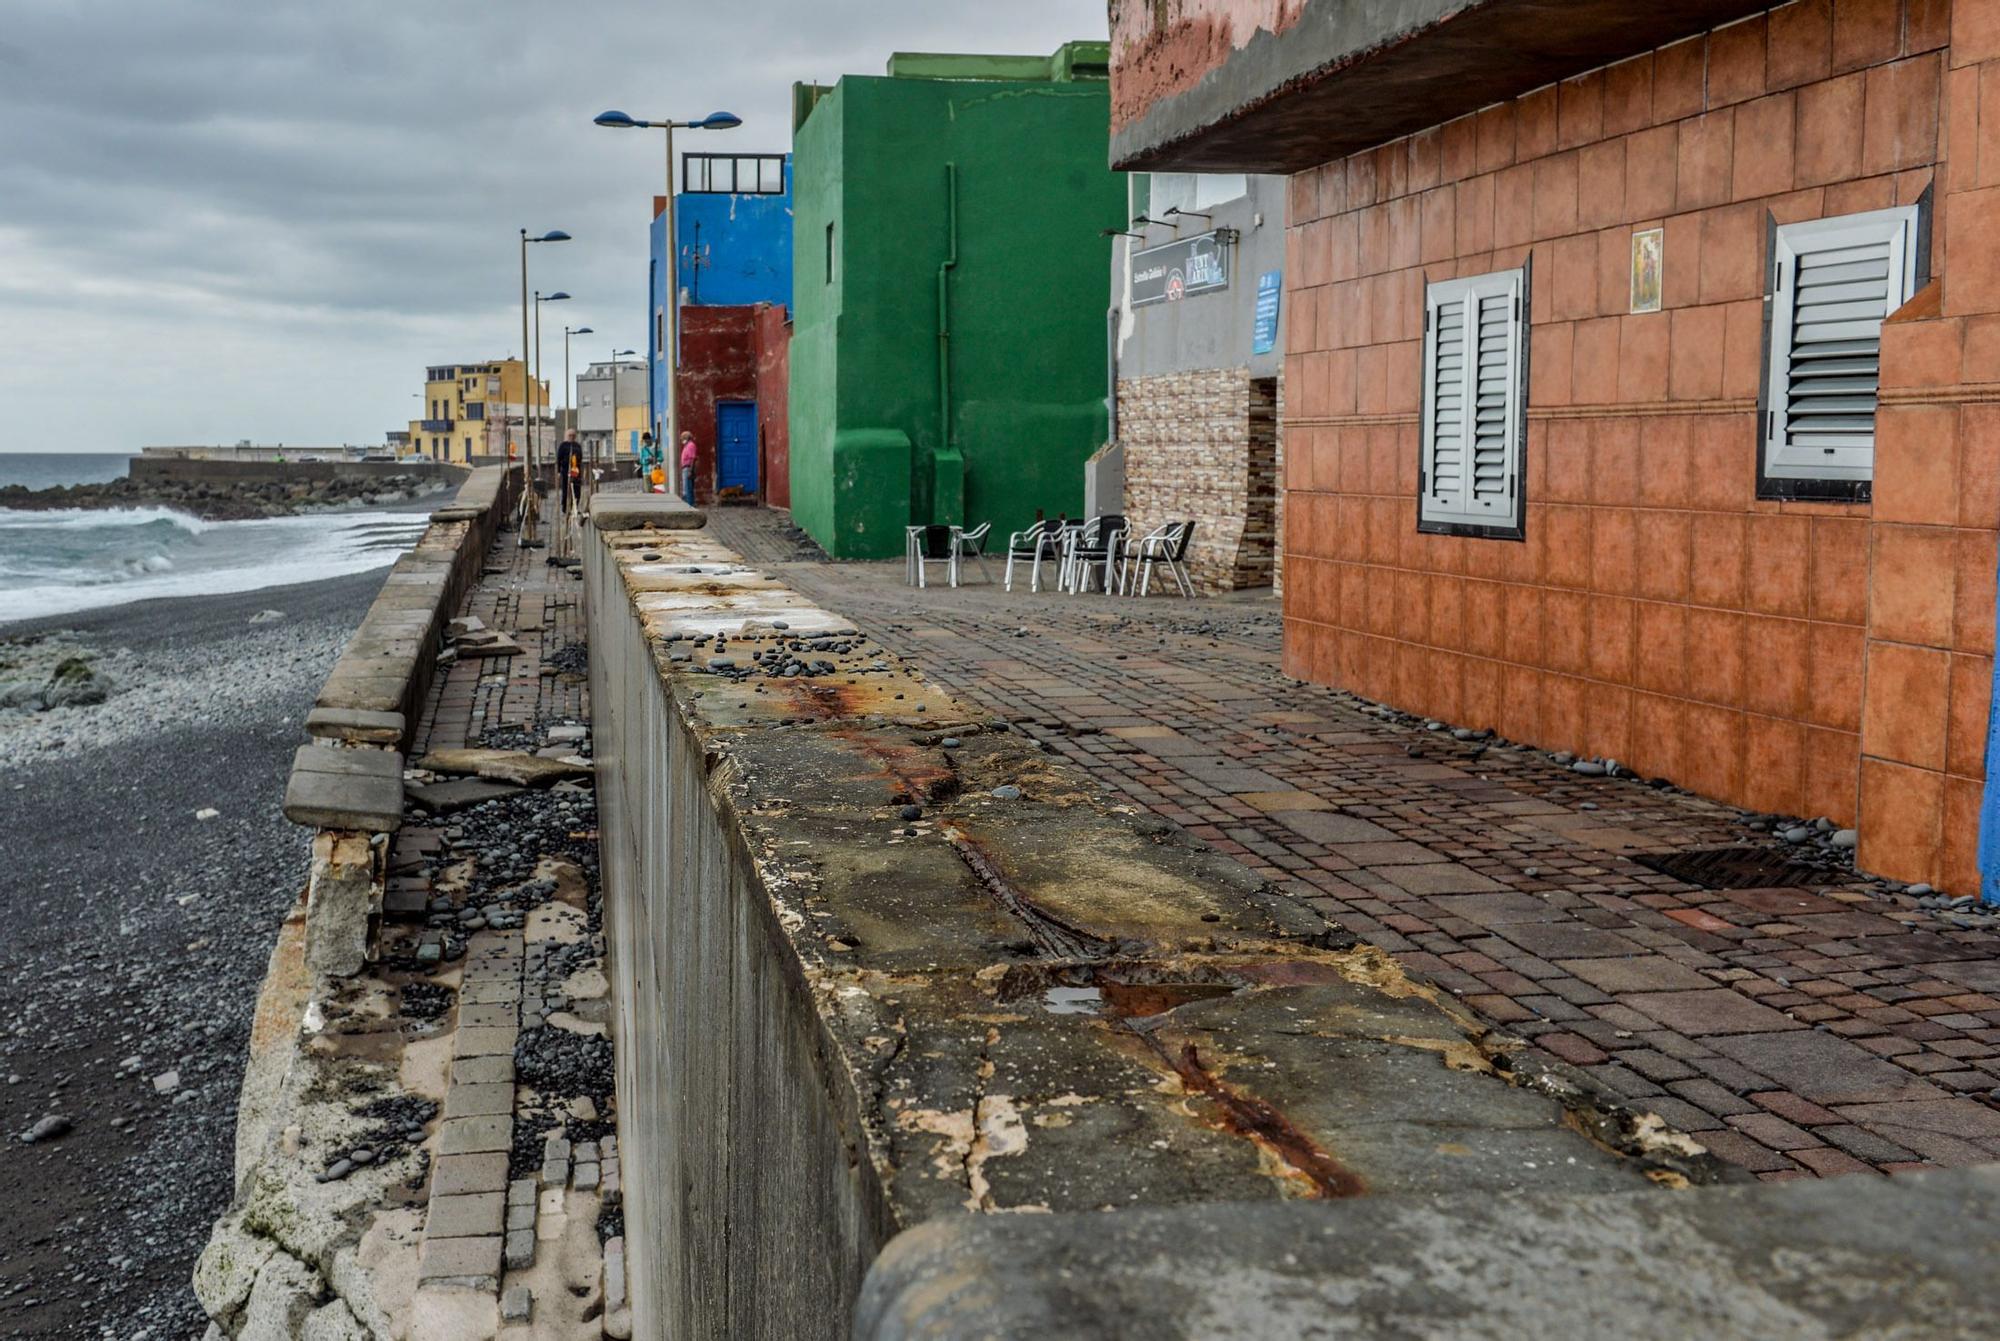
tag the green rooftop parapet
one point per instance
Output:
(1072, 61)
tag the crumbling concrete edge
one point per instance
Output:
(285, 1260)
(1908, 1256)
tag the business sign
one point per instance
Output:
(1264, 333)
(1180, 269)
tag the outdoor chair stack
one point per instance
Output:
(1041, 541)
(1092, 549)
(1167, 545)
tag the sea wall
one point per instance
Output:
(180, 470)
(347, 781)
(879, 963)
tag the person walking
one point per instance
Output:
(650, 474)
(569, 472)
(687, 467)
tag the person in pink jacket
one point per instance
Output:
(687, 467)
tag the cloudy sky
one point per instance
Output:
(226, 219)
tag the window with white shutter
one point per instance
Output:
(1475, 393)
(1832, 282)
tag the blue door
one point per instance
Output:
(736, 445)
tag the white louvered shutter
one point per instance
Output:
(1834, 281)
(1475, 357)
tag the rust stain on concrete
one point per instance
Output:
(1315, 1172)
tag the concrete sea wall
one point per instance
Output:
(879, 964)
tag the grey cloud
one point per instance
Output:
(337, 184)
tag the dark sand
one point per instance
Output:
(130, 929)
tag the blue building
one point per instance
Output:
(733, 221)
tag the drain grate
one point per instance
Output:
(1739, 868)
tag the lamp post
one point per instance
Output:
(612, 437)
(713, 121)
(527, 389)
(557, 297)
(569, 406)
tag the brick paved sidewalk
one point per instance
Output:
(525, 1199)
(1795, 1031)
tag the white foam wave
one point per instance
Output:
(84, 518)
(280, 551)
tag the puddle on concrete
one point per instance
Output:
(1073, 1001)
(1130, 1000)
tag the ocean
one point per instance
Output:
(71, 559)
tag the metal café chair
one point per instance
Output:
(1094, 547)
(1038, 542)
(926, 545)
(1166, 545)
(969, 545)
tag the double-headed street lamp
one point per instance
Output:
(557, 297)
(713, 121)
(569, 406)
(528, 390)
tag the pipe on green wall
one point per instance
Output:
(949, 264)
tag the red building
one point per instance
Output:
(1643, 375)
(731, 390)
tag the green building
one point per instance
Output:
(950, 290)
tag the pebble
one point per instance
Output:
(166, 1082)
(911, 812)
(949, 742)
(48, 1129)
(338, 1170)
(1006, 793)
(1796, 835)
(207, 813)
(1590, 768)
(1845, 838)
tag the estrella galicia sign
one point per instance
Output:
(1179, 269)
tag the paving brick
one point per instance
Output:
(456, 1174)
(472, 1100)
(474, 1262)
(467, 1216)
(1715, 1010)
(1827, 1070)
(476, 1135)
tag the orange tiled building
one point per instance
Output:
(1645, 375)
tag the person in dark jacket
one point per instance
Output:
(569, 472)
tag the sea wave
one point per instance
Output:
(70, 519)
(49, 570)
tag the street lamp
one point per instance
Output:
(527, 392)
(569, 407)
(713, 121)
(611, 438)
(540, 298)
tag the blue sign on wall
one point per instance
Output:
(1264, 335)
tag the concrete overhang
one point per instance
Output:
(1344, 75)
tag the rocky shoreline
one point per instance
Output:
(243, 500)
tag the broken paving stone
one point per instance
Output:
(166, 1082)
(444, 797)
(517, 1304)
(520, 1249)
(515, 766)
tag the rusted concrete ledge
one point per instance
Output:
(840, 1018)
(1847, 1257)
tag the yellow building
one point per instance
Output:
(476, 409)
